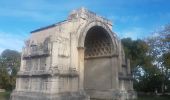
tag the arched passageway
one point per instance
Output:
(97, 60)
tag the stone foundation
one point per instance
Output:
(106, 95)
(49, 96)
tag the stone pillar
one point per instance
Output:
(81, 67)
(115, 80)
(23, 65)
(54, 53)
(18, 84)
(128, 66)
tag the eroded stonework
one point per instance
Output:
(77, 59)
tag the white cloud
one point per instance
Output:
(124, 19)
(11, 41)
(130, 18)
(134, 33)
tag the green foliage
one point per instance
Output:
(150, 61)
(9, 65)
(136, 51)
(147, 77)
(166, 60)
(159, 50)
(150, 81)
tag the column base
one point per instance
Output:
(111, 95)
(128, 95)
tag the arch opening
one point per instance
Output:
(97, 43)
(97, 60)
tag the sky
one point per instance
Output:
(137, 19)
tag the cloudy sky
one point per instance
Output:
(131, 18)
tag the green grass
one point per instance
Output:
(153, 98)
(4, 95)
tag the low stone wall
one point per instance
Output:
(2, 90)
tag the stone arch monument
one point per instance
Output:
(76, 59)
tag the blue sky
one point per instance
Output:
(131, 18)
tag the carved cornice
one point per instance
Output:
(61, 73)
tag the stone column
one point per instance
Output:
(115, 80)
(23, 65)
(81, 67)
(54, 53)
(18, 84)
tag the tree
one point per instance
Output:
(166, 60)
(136, 51)
(9, 65)
(146, 75)
(150, 61)
(159, 45)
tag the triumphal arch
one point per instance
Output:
(80, 58)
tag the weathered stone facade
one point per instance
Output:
(77, 59)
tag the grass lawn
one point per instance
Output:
(4, 95)
(153, 98)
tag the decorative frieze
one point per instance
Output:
(36, 50)
(72, 72)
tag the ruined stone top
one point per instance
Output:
(86, 14)
(76, 14)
